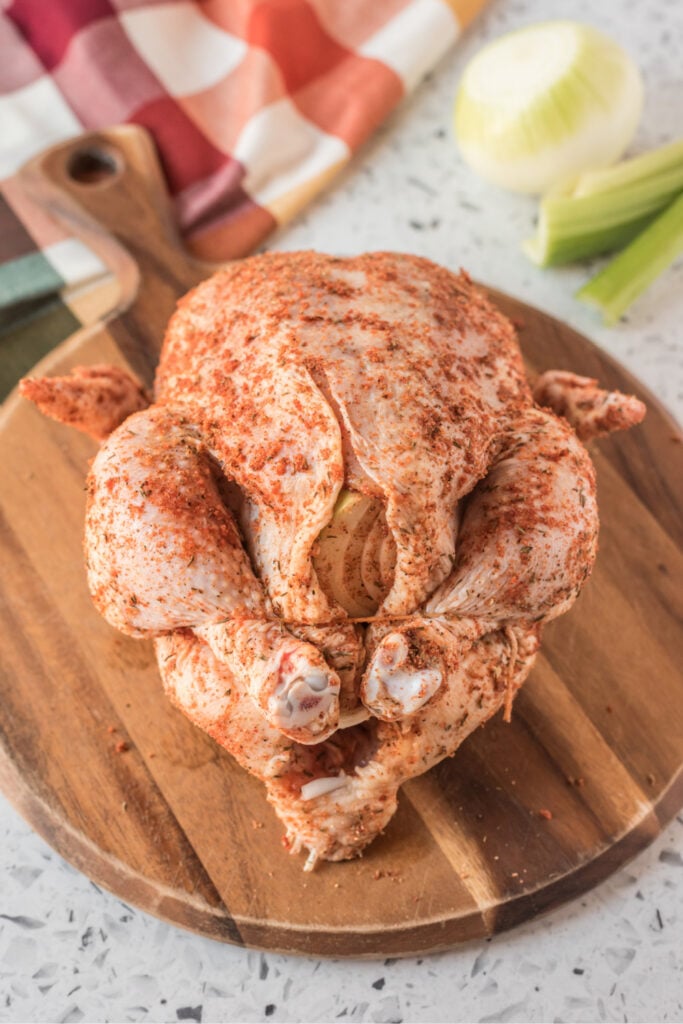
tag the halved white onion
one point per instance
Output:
(542, 104)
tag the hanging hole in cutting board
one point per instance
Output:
(94, 165)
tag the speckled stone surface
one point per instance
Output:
(69, 952)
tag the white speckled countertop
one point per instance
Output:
(70, 952)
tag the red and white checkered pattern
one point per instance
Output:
(254, 104)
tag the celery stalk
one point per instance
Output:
(628, 275)
(606, 209)
(656, 163)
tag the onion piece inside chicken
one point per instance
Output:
(356, 555)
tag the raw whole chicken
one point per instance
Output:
(287, 381)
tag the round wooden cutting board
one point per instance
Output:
(525, 816)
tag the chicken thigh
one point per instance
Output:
(163, 552)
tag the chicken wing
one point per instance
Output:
(93, 399)
(592, 411)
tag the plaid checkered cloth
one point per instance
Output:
(254, 106)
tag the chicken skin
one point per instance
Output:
(284, 381)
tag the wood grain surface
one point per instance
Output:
(174, 826)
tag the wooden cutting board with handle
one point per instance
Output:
(524, 817)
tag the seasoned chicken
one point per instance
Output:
(284, 381)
